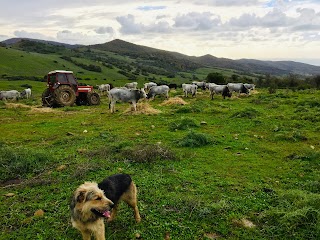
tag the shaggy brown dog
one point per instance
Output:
(92, 202)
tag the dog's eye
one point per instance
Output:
(98, 198)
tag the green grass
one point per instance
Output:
(257, 158)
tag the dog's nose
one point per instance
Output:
(111, 205)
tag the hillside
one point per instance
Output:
(190, 63)
(134, 61)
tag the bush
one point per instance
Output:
(193, 139)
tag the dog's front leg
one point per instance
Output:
(86, 235)
(99, 231)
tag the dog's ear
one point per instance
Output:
(80, 196)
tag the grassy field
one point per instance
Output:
(241, 168)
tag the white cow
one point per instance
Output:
(26, 93)
(132, 85)
(158, 90)
(125, 95)
(208, 85)
(250, 86)
(104, 88)
(189, 88)
(11, 94)
(149, 85)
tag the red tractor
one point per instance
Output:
(64, 90)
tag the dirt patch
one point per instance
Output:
(174, 101)
(142, 108)
(11, 182)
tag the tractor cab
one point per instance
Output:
(56, 78)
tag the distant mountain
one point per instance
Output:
(13, 41)
(243, 65)
(150, 56)
(147, 57)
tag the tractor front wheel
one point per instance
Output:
(64, 96)
(93, 98)
(47, 100)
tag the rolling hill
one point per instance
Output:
(191, 63)
(134, 61)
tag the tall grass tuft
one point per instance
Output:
(189, 109)
(22, 163)
(194, 139)
(183, 124)
(295, 214)
(148, 153)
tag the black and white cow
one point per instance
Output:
(125, 95)
(219, 89)
(103, 88)
(132, 85)
(189, 88)
(149, 85)
(26, 93)
(158, 90)
(11, 94)
(237, 87)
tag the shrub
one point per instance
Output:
(193, 139)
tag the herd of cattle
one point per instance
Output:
(15, 95)
(130, 93)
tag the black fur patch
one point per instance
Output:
(115, 185)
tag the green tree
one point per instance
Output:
(317, 81)
(216, 78)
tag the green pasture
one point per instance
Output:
(241, 168)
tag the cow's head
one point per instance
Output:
(226, 92)
(244, 89)
(142, 94)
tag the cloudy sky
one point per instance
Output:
(258, 29)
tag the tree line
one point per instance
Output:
(291, 81)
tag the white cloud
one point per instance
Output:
(197, 21)
(128, 25)
(226, 28)
(34, 35)
(104, 30)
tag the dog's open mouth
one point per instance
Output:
(105, 214)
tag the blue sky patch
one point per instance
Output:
(151, 8)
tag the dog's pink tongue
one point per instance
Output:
(106, 214)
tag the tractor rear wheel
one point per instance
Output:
(64, 96)
(93, 98)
